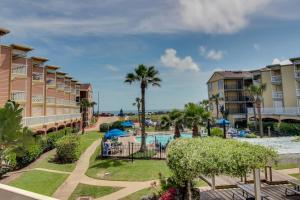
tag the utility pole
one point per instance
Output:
(98, 104)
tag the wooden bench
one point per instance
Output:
(294, 191)
(249, 190)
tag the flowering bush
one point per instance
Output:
(169, 194)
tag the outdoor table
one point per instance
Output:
(249, 191)
(295, 183)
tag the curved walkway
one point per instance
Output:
(78, 176)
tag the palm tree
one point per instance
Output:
(174, 118)
(145, 76)
(92, 104)
(256, 91)
(205, 104)
(137, 103)
(216, 98)
(84, 104)
(195, 114)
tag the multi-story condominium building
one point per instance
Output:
(233, 97)
(281, 99)
(86, 92)
(49, 98)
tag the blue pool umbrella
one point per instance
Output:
(114, 133)
(127, 123)
(222, 122)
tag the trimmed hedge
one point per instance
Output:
(104, 127)
(289, 128)
(109, 126)
(67, 149)
(272, 125)
(216, 132)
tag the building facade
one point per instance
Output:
(49, 97)
(233, 96)
(86, 92)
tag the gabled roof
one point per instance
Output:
(61, 73)
(85, 86)
(3, 31)
(21, 47)
(52, 67)
(232, 74)
(40, 59)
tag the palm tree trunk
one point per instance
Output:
(195, 130)
(255, 118)
(217, 105)
(83, 122)
(177, 131)
(139, 116)
(143, 142)
(260, 120)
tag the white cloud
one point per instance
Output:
(112, 68)
(171, 60)
(277, 61)
(256, 46)
(211, 54)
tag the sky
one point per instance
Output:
(100, 41)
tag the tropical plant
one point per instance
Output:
(137, 103)
(84, 104)
(216, 99)
(224, 112)
(145, 76)
(67, 149)
(174, 118)
(256, 92)
(205, 104)
(195, 114)
(92, 104)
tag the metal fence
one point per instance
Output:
(132, 151)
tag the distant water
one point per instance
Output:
(133, 111)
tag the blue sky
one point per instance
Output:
(99, 41)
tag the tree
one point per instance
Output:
(92, 104)
(224, 112)
(195, 114)
(174, 118)
(145, 76)
(216, 98)
(205, 104)
(137, 103)
(84, 104)
(256, 92)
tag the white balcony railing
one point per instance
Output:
(51, 82)
(42, 120)
(60, 101)
(73, 103)
(18, 96)
(67, 102)
(293, 111)
(298, 92)
(276, 79)
(37, 99)
(60, 86)
(50, 100)
(277, 95)
(67, 89)
(77, 92)
(19, 69)
(73, 91)
(297, 74)
(37, 76)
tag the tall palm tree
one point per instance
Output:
(137, 103)
(205, 104)
(145, 76)
(252, 90)
(92, 104)
(84, 104)
(216, 98)
(256, 91)
(195, 114)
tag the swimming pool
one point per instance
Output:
(161, 138)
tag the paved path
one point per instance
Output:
(289, 171)
(102, 120)
(78, 176)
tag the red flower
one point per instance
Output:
(169, 194)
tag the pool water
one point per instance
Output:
(161, 138)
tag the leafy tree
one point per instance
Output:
(195, 114)
(137, 103)
(145, 76)
(216, 99)
(256, 92)
(205, 104)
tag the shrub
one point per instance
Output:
(11, 160)
(117, 124)
(251, 135)
(272, 125)
(104, 127)
(216, 132)
(54, 136)
(26, 155)
(289, 128)
(67, 149)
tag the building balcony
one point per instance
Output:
(235, 98)
(37, 99)
(50, 100)
(44, 120)
(60, 86)
(51, 82)
(67, 89)
(277, 95)
(276, 79)
(60, 101)
(297, 74)
(233, 87)
(38, 76)
(298, 92)
(19, 70)
(77, 92)
(291, 111)
(18, 96)
(73, 91)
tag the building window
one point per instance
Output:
(220, 84)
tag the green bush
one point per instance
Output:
(104, 127)
(217, 132)
(251, 135)
(117, 125)
(11, 160)
(54, 136)
(26, 155)
(67, 149)
(272, 125)
(289, 128)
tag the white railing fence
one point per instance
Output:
(276, 79)
(37, 76)
(51, 100)
(18, 96)
(19, 69)
(277, 94)
(42, 120)
(37, 99)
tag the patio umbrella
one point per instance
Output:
(223, 122)
(114, 133)
(127, 124)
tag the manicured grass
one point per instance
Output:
(285, 166)
(92, 191)
(39, 181)
(85, 141)
(139, 194)
(124, 170)
(295, 175)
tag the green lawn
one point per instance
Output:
(139, 194)
(86, 140)
(295, 175)
(39, 181)
(124, 170)
(92, 191)
(286, 166)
